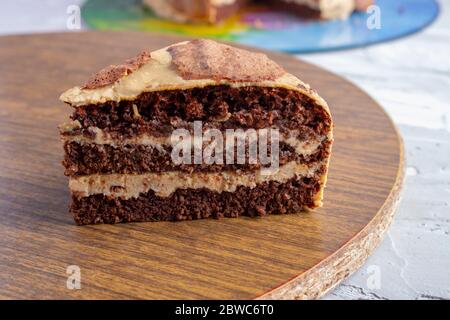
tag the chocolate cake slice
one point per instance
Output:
(200, 11)
(215, 11)
(194, 130)
(317, 9)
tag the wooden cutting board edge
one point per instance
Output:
(330, 272)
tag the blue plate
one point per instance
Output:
(264, 28)
(397, 18)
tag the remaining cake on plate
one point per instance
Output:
(213, 11)
(194, 130)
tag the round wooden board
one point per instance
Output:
(288, 256)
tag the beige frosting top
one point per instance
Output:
(186, 65)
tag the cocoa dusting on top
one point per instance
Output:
(112, 73)
(207, 59)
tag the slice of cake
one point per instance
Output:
(203, 11)
(214, 11)
(194, 130)
(317, 9)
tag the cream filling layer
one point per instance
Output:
(164, 184)
(329, 9)
(158, 74)
(165, 9)
(302, 147)
(336, 9)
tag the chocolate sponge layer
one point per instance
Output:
(190, 204)
(221, 107)
(92, 158)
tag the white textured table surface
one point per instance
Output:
(410, 78)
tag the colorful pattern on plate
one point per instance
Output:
(260, 27)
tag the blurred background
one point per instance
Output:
(285, 25)
(396, 50)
